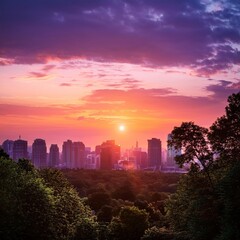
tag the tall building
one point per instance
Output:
(39, 153)
(20, 149)
(73, 154)
(53, 156)
(67, 154)
(7, 146)
(109, 155)
(78, 155)
(154, 153)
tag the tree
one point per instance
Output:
(229, 195)
(192, 140)
(40, 205)
(206, 203)
(130, 224)
(98, 199)
(193, 210)
(71, 216)
(224, 134)
(155, 233)
(26, 204)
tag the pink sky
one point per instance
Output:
(78, 69)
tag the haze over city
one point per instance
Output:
(82, 69)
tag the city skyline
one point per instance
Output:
(123, 70)
(75, 155)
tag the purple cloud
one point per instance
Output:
(223, 89)
(47, 68)
(153, 33)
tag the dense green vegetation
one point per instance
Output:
(118, 205)
(206, 204)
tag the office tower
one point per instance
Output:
(20, 149)
(154, 153)
(7, 146)
(78, 155)
(171, 154)
(39, 153)
(67, 154)
(109, 155)
(53, 156)
(73, 154)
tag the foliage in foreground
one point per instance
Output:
(206, 204)
(39, 205)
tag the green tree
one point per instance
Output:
(155, 233)
(26, 204)
(205, 205)
(71, 216)
(193, 210)
(40, 205)
(97, 200)
(192, 140)
(224, 134)
(130, 224)
(229, 194)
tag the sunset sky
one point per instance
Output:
(78, 69)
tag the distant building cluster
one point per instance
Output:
(107, 156)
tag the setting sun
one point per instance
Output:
(121, 128)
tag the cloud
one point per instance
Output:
(162, 105)
(196, 34)
(38, 75)
(5, 61)
(49, 67)
(223, 89)
(65, 84)
(125, 83)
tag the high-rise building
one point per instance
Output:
(53, 156)
(78, 155)
(73, 154)
(109, 155)
(67, 154)
(154, 153)
(20, 149)
(7, 146)
(39, 153)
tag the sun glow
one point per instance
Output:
(121, 128)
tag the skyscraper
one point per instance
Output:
(78, 155)
(109, 155)
(39, 153)
(67, 154)
(53, 156)
(7, 146)
(73, 154)
(20, 149)
(154, 153)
